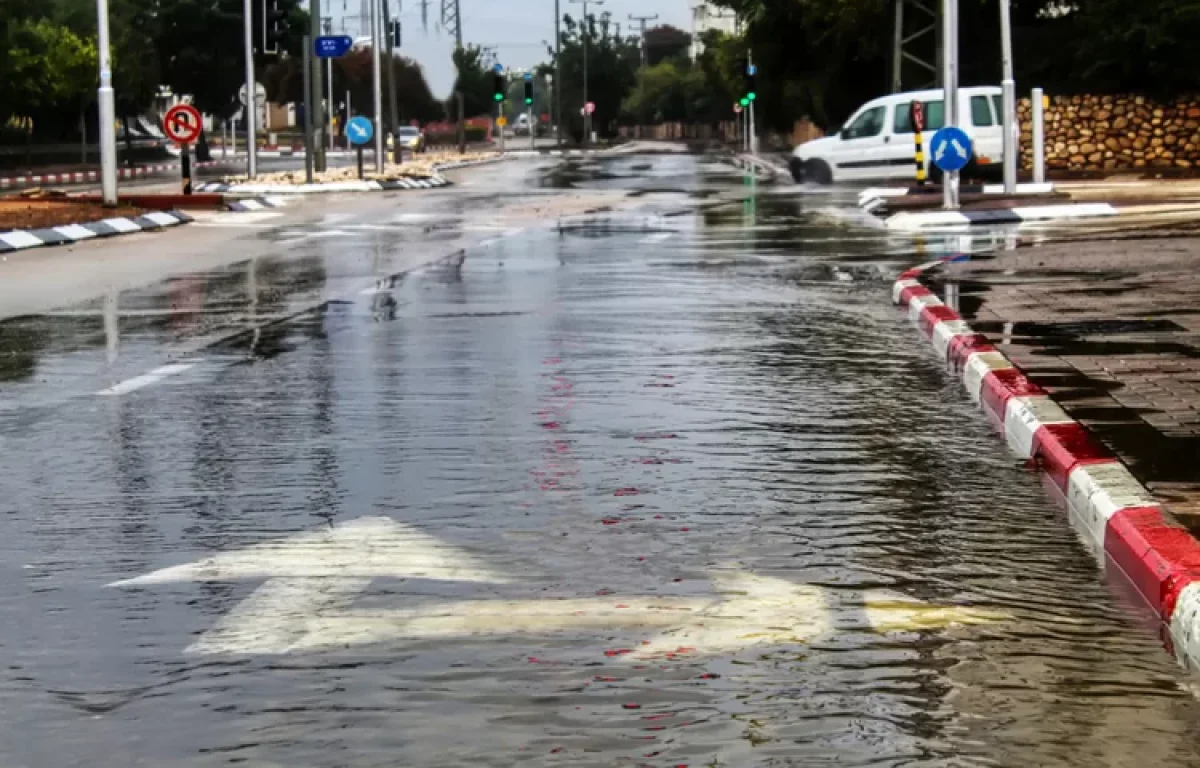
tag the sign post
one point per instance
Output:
(182, 124)
(951, 151)
(359, 132)
(916, 116)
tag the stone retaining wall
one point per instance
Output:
(1114, 132)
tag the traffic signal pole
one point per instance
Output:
(377, 84)
(316, 91)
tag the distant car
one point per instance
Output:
(876, 143)
(410, 138)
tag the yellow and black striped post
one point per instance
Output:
(920, 155)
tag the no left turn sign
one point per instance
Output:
(183, 124)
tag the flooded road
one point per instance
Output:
(656, 486)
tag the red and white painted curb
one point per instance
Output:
(1123, 521)
(86, 177)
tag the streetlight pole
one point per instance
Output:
(317, 93)
(108, 111)
(585, 33)
(251, 104)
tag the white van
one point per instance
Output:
(876, 143)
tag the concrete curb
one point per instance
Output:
(311, 189)
(922, 220)
(1123, 521)
(20, 239)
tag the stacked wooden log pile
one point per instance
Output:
(1115, 131)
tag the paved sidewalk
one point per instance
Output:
(1112, 330)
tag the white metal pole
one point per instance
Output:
(1009, 86)
(108, 111)
(377, 86)
(532, 131)
(251, 105)
(950, 77)
(329, 90)
(1039, 137)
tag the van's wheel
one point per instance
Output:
(818, 172)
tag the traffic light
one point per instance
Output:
(498, 87)
(751, 82)
(529, 90)
(397, 34)
(275, 27)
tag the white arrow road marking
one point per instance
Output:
(313, 580)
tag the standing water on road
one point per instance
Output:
(643, 491)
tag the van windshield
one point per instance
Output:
(935, 117)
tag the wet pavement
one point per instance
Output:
(1112, 331)
(658, 480)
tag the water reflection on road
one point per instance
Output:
(661, 491)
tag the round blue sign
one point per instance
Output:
(951, 149)
(360, 130)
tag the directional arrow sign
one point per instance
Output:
(951, 149)
(313, 580)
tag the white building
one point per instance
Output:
(706, 16)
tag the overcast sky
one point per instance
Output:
(516, 27)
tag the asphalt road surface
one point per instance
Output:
(620, 462)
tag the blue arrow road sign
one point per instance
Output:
(951, 149)
(332, 46)
(360, 130)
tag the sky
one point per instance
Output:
(516, 28)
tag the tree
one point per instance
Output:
(201, 50)
(474, 81)
(612, 65)
(666, 42)
(50, 70)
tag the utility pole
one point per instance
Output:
(558, 130)
(643, 20)
(318, 90)
(452, 19)
(377, 84)
(586, 33)
(251, 104)
(108, 111)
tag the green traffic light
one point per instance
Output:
(751, 96)
(499, 97)
(745, 102)
(528, 101)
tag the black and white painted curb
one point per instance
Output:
(954, 220)
(245, 205)
(336, 186)
(873, 197)
(20, 239)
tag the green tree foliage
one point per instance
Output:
(671, 91)
(50, 68)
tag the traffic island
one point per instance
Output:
(32, 222)
(1088, 361)
(424, 173)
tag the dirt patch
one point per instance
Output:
(41, 213)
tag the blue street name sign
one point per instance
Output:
(332, 46)
(951, 149)
(360, 130)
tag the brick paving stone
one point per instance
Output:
(1112, 330)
